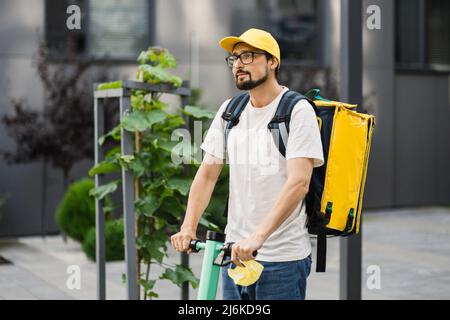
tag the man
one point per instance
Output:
(265, 209)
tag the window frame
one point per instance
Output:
(55, 58)
(423, 65)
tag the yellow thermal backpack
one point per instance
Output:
(335, 196)
(334, 200)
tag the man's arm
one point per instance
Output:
(299, 171)
(199, 196)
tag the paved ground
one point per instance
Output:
(411, 248)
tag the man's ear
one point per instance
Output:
(274, 64)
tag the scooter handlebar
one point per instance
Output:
(228, 247)
(193, 245)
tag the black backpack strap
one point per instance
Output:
(225, 210)
(321, 249)
(231, 116)
(279, 125)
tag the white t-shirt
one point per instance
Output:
(258, 173)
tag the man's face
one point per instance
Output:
(249, 76)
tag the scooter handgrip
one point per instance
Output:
(193, 245)
(227, 250)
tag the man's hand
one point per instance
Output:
(181, 240)
(243, 250)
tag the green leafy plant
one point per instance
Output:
(214, 213)
(161, 185)
(114, 247)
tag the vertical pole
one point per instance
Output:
(185, 256)
(99, 216)
(351, 91)
(137, 190)
(128, 207)
(44, 218)
(185, 287)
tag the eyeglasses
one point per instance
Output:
(246, 57)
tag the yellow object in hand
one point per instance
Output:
(248, 275)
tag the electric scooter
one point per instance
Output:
(216, 252)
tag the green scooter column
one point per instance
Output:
(209, 278)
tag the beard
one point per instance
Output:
(250, 84)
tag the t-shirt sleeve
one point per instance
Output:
(304, 135)
(214, 139)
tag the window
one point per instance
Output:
(119, 29)
(294, 23)
(58, 37)
(422, 33)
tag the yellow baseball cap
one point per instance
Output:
(256, 38)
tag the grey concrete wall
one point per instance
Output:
(422, 131)
(409, 158)
(191, 30)
(21, 23)
(379, 95)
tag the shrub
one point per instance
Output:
(114, 248)
(76, 212)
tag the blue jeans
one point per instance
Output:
(278, 281)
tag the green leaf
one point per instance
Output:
(127, 158)
(198, 113)
(154, 104)
(208, 225)
(139, 120)
(137, 166)
(152, 294)
(180, 275)
(137, 101)
(114, 133)
(135, 121)
(148, 205)
(157, 74)
(109, 164)
(160, 236)
(155, 253)
(152, 244)
(158, 56)
(167, 145)
(182, 185)
(176, 81)
(103, 168)
(109, 85)
(159, 223)
(173, 206)
(167, 192)
(113, 155)
(142, 58)
(147, 284)
(172, 122)
(109, 206)
(152, 185)
(101, 191)
(171, 275)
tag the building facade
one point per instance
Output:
(406, 69)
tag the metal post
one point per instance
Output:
(124, 94)
(128, 207)
(351, 90)
(99, 216)
(185, 256)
